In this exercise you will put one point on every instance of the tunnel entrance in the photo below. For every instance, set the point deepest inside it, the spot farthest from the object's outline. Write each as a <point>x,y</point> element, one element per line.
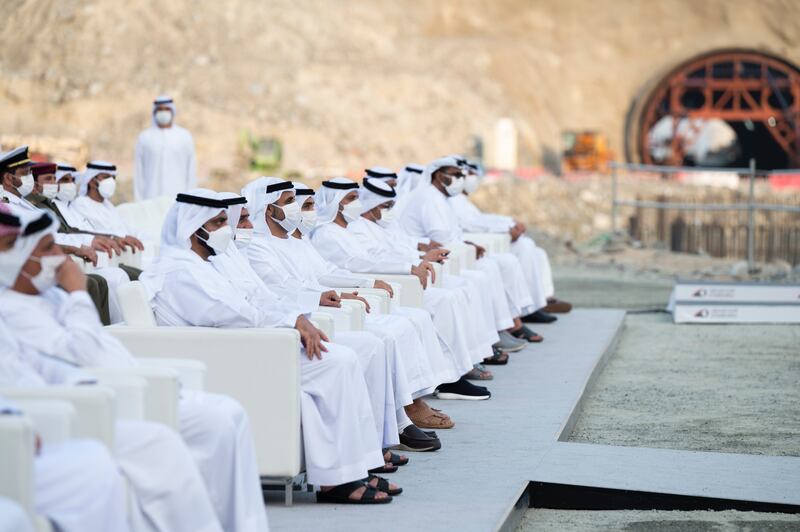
<point>721,109</point>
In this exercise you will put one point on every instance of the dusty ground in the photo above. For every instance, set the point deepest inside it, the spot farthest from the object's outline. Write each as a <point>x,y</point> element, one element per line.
<point>716,388</point>
<point>657,521</point>
<point>707,388</point>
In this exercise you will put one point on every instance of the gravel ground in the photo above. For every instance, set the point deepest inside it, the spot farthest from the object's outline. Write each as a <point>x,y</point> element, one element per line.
<point>656,521</point>
<point>698,387</point>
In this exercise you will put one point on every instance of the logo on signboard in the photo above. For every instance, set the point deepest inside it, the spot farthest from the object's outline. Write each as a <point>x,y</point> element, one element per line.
<point>700,293</point>
<point>702,313</point>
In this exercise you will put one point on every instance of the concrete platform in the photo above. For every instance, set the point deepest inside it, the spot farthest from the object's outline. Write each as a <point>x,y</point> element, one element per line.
<point>499,445</point>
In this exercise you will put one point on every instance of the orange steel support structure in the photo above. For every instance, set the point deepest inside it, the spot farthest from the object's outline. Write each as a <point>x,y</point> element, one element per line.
<point>734,86</point>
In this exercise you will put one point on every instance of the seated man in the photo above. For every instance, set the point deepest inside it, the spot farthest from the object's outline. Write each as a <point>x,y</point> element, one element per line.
<point>46,306</point>
<point>338,206</point>
<point>75,242</point>
<point>17,177</point>
<point>169,492</point>
<point>279,260</point>
<point>533,259</point>
<point>186,289</point>
<point>97,185</point>
<point>430,214</point>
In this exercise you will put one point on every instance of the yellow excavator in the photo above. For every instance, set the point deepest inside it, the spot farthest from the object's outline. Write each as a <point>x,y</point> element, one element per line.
<point>585,151</point>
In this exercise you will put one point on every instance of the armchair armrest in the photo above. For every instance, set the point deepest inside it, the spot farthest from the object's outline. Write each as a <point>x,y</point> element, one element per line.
<point>94,407</point>
<point>158,387</point>
<point>324,322</point>
<point>52,418</point>
<point>410,293</point>
<point>358,313</point>
<point>493,242</point>
<point>16,460</point>
<point>191,373</point>
<point>260,368</point>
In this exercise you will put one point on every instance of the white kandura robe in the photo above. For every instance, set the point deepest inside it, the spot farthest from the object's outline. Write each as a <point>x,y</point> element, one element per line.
<point>14,519</point>
<point>533,259</point>
<point>384,368</point>
<point>431,215</point>
<point>326,273</point>
<point>339,436</point>
<point>459,331</point>
<point>337,245</point>
<point>66,326</point>
<point>102,217</point>
<point>276,260</point>
<point>115,277</point>
<point>165,162</point>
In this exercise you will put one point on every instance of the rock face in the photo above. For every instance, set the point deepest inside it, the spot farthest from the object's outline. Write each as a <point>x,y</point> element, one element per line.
<point>350,83</point>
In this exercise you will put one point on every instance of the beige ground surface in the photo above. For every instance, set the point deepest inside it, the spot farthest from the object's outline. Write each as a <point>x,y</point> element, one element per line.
<point>657,521</point>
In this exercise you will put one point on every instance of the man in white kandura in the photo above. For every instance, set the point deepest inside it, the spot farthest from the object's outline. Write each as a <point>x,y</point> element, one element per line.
<point>187,289</point>
<point>165,160</point>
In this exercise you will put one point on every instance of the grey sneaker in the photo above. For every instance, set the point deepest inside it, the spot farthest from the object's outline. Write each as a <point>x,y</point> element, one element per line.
<point>509,343</point>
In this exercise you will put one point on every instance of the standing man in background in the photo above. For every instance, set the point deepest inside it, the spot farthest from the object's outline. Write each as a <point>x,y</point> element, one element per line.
<point>165,162</point>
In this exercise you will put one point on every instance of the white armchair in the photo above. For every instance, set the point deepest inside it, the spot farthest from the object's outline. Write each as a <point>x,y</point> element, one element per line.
<point>493,242</point>
<point>17,444</point>
<point>95,408</point>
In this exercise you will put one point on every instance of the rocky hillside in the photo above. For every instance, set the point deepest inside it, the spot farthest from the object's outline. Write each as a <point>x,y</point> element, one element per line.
<point>344,83</point>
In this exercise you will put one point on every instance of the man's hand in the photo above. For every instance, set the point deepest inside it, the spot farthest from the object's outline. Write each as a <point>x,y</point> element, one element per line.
<point>87,254</point>
<point>480,251</point>
<point>384,286</point>
<point>311,338</point>
<point>330,299</point>
<point>106,245</point>
<point>437,255</point>
<point>70,277</point>
<point>421,271</point>
<point>132,242</point>
<point>355,296</point>
<point>517,231</point>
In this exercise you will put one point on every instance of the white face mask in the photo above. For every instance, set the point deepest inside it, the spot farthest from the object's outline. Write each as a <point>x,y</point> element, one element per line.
<point>291,216</point>
<point>163,117</point>
<point>243,237</point>
<point>471,183</point>
<point>46,278</point>
<point>67,191</point>
<point>455,187</point>
<point>387,217</point>
<point>50,190</point>
<point>27,185</point>
<point>352,211</point>
<point>107,187</point>
<point>307,222</point>
<point>218,240</point>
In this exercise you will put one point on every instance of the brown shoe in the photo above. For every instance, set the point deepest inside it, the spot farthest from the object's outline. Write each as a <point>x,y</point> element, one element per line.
<point>556,306</point>
<point>425,417</point>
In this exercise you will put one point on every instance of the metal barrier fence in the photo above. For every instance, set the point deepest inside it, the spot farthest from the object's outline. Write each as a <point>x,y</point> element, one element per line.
<point>750,206</point>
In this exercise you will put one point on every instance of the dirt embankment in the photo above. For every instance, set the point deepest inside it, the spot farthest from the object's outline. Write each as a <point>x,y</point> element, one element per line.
<point>347,84</point>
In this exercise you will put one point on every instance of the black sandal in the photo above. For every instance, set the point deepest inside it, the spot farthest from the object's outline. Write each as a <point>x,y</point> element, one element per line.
<point>497,359</point>
<point>383,485</point>
<point>341,494</point>
<point>524,333</point>
<point>386,469</point>
<point>395,459</point>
